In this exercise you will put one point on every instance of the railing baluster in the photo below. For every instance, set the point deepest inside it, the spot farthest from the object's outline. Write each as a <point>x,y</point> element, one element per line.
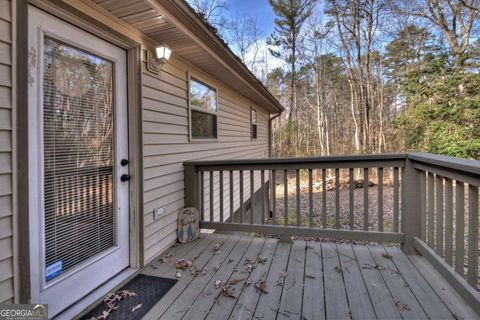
<point>252,194</point>
<point>352,198</point>
<point>448,221</point>
<point>242,204</point>
<point>472,235</point>
<point>211,196</point>
<point>337,198</point>
<point>285,196</point>
<point>262,187</point>
<point>431,212</point>
<point>423,206</point>
<point>459,226</point>
<point>232,216</point>
<point>310,197</point>
<point>396,198</point>
<point>202,195</point>
<point>439,215</point>
<point>365,199</point>
<point>221,196</point>
<point>299,217</point>
<point>274,198</point>
<point>324,198</point>
<point>380,199</point>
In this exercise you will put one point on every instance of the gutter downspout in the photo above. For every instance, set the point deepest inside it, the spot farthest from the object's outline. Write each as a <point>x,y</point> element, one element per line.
<point>270,136</point>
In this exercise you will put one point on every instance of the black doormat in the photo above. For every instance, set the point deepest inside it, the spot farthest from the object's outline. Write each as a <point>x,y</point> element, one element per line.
<point>148,291</point>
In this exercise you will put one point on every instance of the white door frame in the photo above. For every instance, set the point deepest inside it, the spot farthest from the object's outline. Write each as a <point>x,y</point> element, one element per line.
<point>59,292</point>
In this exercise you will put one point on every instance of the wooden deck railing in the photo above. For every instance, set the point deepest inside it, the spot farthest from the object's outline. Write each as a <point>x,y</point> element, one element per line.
<point>449,205</point>
<point>427,194</point>
<point>223,192</point>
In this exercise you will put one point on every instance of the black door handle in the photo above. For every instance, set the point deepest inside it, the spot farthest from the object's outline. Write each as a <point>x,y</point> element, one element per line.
<point>125,177</point>
<point>124,162</point>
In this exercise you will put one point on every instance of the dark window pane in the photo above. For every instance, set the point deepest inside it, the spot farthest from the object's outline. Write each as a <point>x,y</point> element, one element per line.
<point>254,131</point>
<point>203,125</point>
<point>202,96</point>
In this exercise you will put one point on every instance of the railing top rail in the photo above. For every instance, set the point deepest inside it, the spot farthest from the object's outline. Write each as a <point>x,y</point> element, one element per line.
<point>458,164</point>
<point>302,160</point>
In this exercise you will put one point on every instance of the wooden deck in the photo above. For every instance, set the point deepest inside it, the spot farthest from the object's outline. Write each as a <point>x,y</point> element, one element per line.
<point>323,281</point>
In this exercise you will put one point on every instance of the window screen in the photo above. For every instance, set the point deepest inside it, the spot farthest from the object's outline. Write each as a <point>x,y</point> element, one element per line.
<point>78,154</point>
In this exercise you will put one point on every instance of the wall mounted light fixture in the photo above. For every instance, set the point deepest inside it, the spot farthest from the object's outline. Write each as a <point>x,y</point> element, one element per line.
<point>159,57</point>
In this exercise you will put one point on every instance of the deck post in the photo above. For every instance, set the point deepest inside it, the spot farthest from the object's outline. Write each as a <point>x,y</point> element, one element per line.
<point>192,186</point>
<point>411,204</point>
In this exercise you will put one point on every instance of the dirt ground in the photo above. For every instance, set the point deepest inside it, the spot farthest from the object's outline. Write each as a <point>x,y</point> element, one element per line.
<point>330,206</point>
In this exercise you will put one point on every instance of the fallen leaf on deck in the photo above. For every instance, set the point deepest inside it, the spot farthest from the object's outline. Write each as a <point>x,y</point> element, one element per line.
<point>309,276</point>
<point>388,256</point>
<point>135,308</point>
<point>339,269</point>
<point>183,264</point>
<point>261,286</point>
<point>166,258</point>
<point>402,306</point>
<point>250,267</point>
<point>248,282</point>
<point>281,278</point>
<point>228,292</point>
<point>262,260</point>
<point>216,248</point>
<point>234,281</point>
<point>216,267</point>
<point>178,274</point>
<point>194,271</point>
<point>219,284</point>
<point>230,260</point>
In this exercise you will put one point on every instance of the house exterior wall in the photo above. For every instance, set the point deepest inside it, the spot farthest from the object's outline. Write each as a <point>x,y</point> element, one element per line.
<point>167,146</point>
<point>6,143</point>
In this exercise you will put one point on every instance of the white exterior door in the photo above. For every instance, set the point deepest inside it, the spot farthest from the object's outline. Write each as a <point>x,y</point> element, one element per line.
<point>78,206</point>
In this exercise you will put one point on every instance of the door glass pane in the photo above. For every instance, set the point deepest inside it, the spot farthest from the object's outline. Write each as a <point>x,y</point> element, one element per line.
<point>78,111</point>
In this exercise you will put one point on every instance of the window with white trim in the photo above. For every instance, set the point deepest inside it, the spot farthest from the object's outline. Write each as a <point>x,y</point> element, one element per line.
<point>203,110</point>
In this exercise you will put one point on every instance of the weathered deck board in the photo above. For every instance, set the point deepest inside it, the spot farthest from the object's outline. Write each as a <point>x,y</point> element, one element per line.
<point>313,289</point>
<point>451,299</point>
<point>291,302</point>
<point>336,302</point>
<point>225,305</point>
<point>247,300</point>
<point>324,281</point>
<point>178,289</point>
<point>430,302</point>
<point>201,285</point>
<point>268,303</point>
<point>405,301</point>
<point>380,296</point>
<point>360,305</point>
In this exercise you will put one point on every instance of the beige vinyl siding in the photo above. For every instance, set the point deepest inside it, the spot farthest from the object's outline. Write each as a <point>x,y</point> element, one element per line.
<point>167,146</point>
<point>6,226</point>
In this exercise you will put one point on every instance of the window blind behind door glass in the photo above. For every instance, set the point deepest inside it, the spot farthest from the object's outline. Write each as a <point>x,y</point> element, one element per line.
<point>78,154</point>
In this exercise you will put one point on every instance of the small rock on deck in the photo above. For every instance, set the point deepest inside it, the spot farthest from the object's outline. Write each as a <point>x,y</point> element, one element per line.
<point>304,280</point>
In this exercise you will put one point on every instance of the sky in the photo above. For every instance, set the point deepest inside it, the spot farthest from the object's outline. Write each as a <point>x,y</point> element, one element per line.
<point>259,8</point>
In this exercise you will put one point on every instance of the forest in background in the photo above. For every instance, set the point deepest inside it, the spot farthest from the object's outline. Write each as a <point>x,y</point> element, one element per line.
<point>364,76</point>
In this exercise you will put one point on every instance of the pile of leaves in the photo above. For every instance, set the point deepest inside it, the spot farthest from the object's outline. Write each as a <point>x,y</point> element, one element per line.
<point>111,301</point>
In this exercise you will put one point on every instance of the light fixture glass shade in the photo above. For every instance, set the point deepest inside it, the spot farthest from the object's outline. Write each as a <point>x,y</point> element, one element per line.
<point>163,52</point>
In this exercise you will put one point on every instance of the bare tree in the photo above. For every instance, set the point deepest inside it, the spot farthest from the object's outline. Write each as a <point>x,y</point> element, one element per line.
<point>212,11</point>
<point>244,36</point>
<point>455,18</point>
